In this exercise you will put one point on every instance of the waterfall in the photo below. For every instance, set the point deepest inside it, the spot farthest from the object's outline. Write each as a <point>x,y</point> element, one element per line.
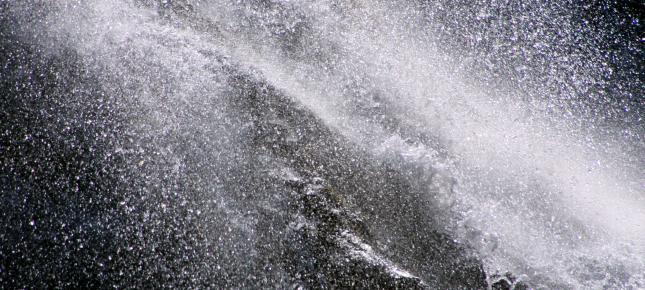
<point>322,144</point>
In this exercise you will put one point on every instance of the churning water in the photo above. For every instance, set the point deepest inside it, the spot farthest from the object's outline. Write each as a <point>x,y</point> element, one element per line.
<point>516,127</point>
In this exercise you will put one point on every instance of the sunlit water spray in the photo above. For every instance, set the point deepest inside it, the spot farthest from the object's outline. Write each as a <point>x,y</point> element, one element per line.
<point>534,195</point>
<point>533,186</point>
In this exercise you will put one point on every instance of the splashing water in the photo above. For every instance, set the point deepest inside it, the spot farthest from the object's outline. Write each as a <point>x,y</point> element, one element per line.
<point>536,162</point>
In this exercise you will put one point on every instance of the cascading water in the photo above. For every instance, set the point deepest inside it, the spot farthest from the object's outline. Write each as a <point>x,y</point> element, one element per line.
<point>322,144</point>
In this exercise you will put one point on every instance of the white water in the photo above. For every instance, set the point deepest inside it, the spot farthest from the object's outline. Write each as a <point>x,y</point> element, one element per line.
<point>536,195</point>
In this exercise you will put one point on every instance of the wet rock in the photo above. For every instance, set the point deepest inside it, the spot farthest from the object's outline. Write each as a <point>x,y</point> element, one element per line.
<point>502,284</point>
<point>507,282</point>
<point>332,248</point>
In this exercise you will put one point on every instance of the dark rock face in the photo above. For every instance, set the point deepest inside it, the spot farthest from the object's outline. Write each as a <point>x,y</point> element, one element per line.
<point>93,195</point>
<point>507,281</point>
<point>329,245</point>
<point>333,196</point>
<point>77,213</point>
